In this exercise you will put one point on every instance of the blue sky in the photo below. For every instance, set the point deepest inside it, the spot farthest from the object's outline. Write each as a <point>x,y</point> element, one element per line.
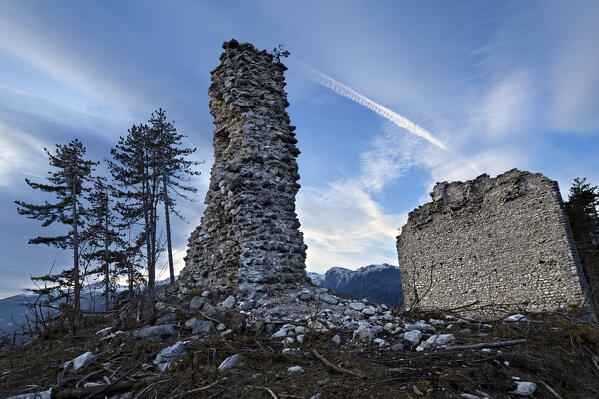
<point>500,84</point>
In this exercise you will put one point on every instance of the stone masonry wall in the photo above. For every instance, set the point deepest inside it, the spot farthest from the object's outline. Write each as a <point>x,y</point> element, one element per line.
<point>493,242</point>
<point>249,241</point>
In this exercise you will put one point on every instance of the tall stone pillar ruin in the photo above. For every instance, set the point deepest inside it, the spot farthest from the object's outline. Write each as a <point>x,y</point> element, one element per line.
<point>249,241</point>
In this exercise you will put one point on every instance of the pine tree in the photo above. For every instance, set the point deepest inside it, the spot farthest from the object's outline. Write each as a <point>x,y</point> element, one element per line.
<point>136,170</point>
<point>175,171</point>
<point>67,183</point>
<point>581,208</point>
<point>102,235</point>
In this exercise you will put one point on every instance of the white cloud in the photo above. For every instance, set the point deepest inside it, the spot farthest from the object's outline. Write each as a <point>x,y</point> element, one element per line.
<point>344,226</point>
<point>505,107</point>
<point>575,92</point>
<point>21,155</point>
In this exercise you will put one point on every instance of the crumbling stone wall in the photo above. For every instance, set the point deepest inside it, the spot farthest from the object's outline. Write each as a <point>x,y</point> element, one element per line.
<point>249,241</point>
<point>501,242</point>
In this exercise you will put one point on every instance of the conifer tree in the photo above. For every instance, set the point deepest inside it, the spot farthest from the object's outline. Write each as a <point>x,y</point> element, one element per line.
<point>136,170</point>
<point>175,171</point>
<point>102,234</point>
<point>68,184</point>
<point>581,208</point>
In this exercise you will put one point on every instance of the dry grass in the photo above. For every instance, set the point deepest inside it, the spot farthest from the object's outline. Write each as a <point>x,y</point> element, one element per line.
<point>559,351</point>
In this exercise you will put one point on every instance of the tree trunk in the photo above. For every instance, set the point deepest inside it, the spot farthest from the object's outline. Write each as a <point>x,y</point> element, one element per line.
<point>171,267</point>
<point>106,266</point>
<point>148,234</point>
<point>76,247</point>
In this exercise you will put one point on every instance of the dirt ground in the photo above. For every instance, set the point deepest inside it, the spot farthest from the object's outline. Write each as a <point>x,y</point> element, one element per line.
<point>560,354</point>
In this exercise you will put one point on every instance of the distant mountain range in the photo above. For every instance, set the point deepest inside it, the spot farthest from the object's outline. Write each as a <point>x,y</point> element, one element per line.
<point>377,283</point>
<point>14,311</point>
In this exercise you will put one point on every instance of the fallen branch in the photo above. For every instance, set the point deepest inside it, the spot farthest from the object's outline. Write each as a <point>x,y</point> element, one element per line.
<point>85,377</point>
<point>557,395</point>
<point>196,390</point>
<point>269,391</point>
<point>486,345</point>
<point>149,387</point>
<point>106,389</point>
<point>208,317</point>
<point>337,368</point>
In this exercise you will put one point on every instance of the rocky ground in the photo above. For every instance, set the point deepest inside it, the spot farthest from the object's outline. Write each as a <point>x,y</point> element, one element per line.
<point>307,343</point>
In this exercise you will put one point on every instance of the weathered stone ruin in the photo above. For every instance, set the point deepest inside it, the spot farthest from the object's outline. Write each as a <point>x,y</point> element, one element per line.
<point>248,241</point>
<point>491,244</point>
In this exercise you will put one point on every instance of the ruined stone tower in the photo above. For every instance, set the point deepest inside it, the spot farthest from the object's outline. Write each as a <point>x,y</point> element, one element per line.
<point>491,244</point>
<point>249,241</point>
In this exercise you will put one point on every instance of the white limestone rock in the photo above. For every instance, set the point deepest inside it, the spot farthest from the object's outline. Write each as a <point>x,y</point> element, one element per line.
<point>230,363</point>
<point>413,336</point>
<point>525,388</point>
<point>166,355</point>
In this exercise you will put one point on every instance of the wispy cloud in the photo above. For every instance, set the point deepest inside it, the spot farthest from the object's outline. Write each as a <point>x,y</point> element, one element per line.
<point>505,107</point>
<point>21,155</point>
<point>381,110</point>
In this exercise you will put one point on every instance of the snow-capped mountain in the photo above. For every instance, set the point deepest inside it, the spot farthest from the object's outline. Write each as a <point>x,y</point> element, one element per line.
<point>379,283</point>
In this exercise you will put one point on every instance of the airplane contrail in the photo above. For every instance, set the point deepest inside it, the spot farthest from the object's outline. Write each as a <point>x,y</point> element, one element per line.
<point>381,110</point>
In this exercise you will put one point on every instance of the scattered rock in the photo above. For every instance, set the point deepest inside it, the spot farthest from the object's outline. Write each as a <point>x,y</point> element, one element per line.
<point>155,333</point>
<point>417,391</point>
<point>164,357</point>
<point>283,331</point>
<point>525,388</point>
<point>209,310</point>
<point>364,333</point>
<point>197,302</point>
<point>199,326</point>
<point>300,330</point>
<point>413,336</point>
<point>328,299</point>
<point>228,303</point>
<point>369,311</point>
<point>168,318</point>
<point>306,294</point>
<point>436,340</point>
<point>397,347</point>
<point>419,325</point>
<point>336,339</point>
<point>359,306</point>
<point>80,361</point>
<point>230,363</point>
<point>295,370</point>
<point>515,317</point>
<point>104,331</point>
<point>39,395</point>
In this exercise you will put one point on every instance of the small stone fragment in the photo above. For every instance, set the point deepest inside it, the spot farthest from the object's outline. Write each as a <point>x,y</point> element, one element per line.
<point>199,326</point>
<point>369,311</point>
<point>295,370</point>
<point>525,388</point>
<point>230,363</point>
<point>228,303</point>
<point>413,336</point>
<point>397,347</point>
<point>359,306</point>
